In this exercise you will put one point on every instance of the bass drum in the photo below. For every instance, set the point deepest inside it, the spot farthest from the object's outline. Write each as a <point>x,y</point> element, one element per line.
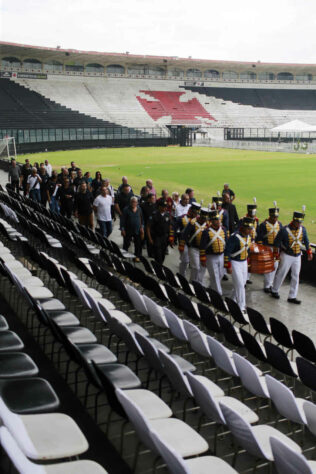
<point>261,259</point>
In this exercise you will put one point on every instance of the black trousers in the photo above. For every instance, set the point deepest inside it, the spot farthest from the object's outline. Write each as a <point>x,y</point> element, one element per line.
<point>66,208</point>
<point>137,243</point>
<point>15,185</point>
<point>159,249</point>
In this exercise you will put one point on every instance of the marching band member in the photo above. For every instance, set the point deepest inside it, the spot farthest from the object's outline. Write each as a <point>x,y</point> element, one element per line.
<point>182,224</point>
<point>212,246</point>
<point>267,232</point>
<point>217,203</point>
<point>291,240</point>
<point>236,256</point>
<point>192,236</point>
<point>251,212</point>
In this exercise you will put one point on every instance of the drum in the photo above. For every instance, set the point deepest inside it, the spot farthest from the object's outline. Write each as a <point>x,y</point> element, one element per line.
<point>261,259</point>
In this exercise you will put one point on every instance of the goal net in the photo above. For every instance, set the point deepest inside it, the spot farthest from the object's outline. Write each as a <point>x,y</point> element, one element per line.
<point>7,148</point>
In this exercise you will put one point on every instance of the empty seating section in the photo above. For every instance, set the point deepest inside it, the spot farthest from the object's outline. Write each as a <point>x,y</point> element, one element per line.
<point>178,376</point>
<point>150,103</point>
<point>25,109</point>
<point>257,107</point>
<point>105,99</point>
<point>281,99</point>
<point>172,104</point>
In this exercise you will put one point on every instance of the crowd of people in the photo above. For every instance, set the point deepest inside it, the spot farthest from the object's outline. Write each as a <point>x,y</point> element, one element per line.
<point>211,238</point>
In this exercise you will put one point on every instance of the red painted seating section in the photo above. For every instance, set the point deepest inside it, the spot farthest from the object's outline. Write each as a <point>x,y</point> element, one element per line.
<point>168,104</point>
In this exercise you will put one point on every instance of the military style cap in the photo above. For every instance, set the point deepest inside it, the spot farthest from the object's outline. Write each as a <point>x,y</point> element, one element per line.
<point>162,203</point>
<point>195,206</point>
<point>298,216</point>
<point>213,215</point>
<point>274,211</point>
<point>217,199</point>
<point>250,207</point>
<point>247,222</point>
<point>204,212</point>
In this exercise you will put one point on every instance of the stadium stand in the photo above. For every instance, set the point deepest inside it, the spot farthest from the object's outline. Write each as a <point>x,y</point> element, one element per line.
<point>154,103</point>
<point>23,108</point>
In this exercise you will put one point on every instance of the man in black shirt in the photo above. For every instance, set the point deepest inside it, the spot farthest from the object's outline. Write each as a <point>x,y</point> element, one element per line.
<point>73,167</point>
<point>83,206</point>
<point>229,191</point>
<point>122,199</point>
<point>148,208</point>
<point>65,196</point>
<point>26,171</point>
<point>124,182</point>
<point>14,175</point>
<point>79,179</point>
<point>132,226</point>
<point>160,231</point>
<point>233,219</point>
<point>63,174</point>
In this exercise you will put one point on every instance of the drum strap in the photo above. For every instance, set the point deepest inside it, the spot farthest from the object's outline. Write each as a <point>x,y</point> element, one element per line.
<point>244,246</point>
<point>216,236</point>
<point>296,240</point>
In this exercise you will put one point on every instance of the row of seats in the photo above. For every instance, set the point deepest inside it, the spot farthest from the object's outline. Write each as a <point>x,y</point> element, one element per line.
<point>187,442</point>
<point>302,343</point>
<point>32,427</point>
<point>22,108</point>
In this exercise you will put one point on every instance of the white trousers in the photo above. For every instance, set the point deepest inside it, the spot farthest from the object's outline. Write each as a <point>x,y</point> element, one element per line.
<point>239,277</point>
<point>184,261</point>
<point>215,267</point>
<point>197,271</point>
<point>287,263</point>
<point>269,277</point>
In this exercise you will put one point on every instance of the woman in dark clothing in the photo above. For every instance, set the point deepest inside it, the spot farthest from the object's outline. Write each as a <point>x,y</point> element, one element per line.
<point>43,186</point>
<point>65,196</point>
<point>96,183</point>
<point>83,206</point>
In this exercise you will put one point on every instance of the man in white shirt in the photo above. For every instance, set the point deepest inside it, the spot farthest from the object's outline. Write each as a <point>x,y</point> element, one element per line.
<point>102,208</point>
<point>183,207</point>
<point>34,186</point>
<point>49,168</point>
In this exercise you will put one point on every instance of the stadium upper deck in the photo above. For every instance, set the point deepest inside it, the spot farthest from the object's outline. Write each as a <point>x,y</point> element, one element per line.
<point>37,59</point>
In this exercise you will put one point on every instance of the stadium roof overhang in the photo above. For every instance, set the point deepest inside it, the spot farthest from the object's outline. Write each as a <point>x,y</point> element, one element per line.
<point>43,54</point>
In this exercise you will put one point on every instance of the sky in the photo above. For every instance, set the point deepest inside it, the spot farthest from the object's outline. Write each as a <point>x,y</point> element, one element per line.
<point>241,30</point>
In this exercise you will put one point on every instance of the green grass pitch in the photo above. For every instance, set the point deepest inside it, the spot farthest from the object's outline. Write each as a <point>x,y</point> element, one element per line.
<point>288,178</point>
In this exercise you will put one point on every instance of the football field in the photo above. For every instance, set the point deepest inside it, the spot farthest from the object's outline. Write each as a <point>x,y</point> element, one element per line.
<point>288,178</point>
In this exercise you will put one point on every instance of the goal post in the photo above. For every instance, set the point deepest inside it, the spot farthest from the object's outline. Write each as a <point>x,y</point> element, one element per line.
<point>7,148</point>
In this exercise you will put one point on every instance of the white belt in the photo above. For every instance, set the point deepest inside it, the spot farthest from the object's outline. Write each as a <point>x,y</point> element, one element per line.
<point>245,246</point>
<point>200,229</point>
<point>273,228</point>
<point>216,236</point>
<point>295,239</point>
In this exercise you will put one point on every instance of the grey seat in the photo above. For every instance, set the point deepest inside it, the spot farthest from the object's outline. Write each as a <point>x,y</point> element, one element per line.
<point>199,465</point>
<point>288,461</point>
<point>24,466</point>
<point>254,439</point>
<point>16,364</point>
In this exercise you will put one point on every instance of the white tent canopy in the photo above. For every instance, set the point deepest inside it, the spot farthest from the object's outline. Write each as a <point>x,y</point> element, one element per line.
<point>295,126</point>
